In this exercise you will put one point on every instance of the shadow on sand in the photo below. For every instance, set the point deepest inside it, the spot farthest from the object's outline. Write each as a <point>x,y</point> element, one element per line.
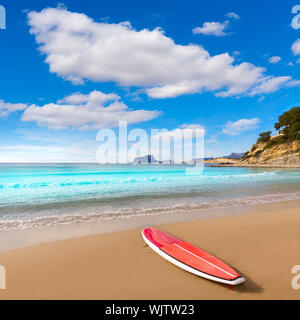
<point>249,286</point>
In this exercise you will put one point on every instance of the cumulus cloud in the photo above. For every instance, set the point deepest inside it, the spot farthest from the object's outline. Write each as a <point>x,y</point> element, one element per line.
<point>6,108</point>
<point>212,29</point>
<point>232,15</point>
<point>77,48</point>
<point>296,47</point>
<point>239,126</point>
<point>294,83</point>
<point>216,28</point>
<point>275,59</point>
<point>86,112</point>
<point>272,84</point>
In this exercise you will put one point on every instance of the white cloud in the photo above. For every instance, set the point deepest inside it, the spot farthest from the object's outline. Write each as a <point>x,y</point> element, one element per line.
<point>232,15</point>
<point>212,29</point>
<point>77,48</point>
<point>275,59</point>
<point>96,97</point>
<point>86,112</point>
<point>272,84</point>
<point>239,126</point>
<point>294,83</point>
<point>7,108</point>
<point>216,28</point>
<point>296,47</point>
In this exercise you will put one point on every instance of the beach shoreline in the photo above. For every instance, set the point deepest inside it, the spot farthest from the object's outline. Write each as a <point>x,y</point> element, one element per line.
<point>21,238</point>
<point>263,244</point>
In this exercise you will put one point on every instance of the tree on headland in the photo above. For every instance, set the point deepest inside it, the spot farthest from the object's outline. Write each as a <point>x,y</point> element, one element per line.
<point>264,136</point>
<point>289,124</point>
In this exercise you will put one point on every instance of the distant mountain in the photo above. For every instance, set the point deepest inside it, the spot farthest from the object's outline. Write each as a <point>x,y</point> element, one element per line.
<point>235,155</point>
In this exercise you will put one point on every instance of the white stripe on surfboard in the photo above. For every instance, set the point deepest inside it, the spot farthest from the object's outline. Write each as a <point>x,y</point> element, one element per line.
<point>203,260</point>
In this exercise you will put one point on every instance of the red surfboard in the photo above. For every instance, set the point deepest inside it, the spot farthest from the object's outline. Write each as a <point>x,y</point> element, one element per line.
<point>190,258</point>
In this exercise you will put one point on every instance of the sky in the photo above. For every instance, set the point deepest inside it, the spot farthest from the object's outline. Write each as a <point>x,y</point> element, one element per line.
<point>70,69</point>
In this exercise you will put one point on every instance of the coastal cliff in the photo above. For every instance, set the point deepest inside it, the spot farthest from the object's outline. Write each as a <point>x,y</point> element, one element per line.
<point>285,154</point>
<point>280,150</point>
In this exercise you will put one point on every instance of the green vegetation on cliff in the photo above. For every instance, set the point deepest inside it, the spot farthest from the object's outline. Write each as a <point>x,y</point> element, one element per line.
<point>289,124</point>
<point>264,136</point>
<point>286,142</point>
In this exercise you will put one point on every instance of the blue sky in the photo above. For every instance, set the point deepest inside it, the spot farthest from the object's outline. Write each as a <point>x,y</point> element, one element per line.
<point>228,66</point>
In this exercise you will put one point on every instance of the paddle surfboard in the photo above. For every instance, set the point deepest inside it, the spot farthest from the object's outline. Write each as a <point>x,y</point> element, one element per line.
<point>190,258</point>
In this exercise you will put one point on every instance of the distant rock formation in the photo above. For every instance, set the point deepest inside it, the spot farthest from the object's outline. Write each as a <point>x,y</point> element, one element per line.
<point>148,159</point>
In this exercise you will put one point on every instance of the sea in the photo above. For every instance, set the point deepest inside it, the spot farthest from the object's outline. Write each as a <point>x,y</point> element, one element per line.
<point>39,195</point>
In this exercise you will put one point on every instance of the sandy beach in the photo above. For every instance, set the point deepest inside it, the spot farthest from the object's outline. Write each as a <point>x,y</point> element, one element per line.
<point>263,246</point>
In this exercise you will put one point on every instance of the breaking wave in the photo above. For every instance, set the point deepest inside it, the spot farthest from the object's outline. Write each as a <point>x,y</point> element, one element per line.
<point>27,222</point>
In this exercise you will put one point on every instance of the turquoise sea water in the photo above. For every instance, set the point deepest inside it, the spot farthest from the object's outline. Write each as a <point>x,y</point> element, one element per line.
<point>38,195</point>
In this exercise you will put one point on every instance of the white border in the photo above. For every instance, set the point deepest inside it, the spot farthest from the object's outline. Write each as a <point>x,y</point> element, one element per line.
<point>189,269</point>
